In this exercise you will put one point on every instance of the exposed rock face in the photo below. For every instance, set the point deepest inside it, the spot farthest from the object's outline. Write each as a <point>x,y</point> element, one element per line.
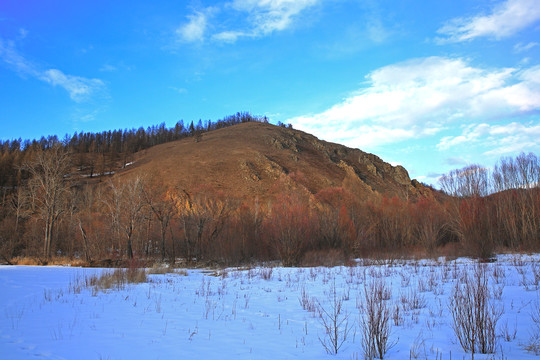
<point>251,159</point>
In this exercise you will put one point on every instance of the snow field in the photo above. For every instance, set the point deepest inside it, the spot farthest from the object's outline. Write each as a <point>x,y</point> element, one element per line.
<point>258,313</point>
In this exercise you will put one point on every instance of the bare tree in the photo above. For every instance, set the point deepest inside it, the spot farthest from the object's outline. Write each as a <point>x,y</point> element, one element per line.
<point>202,217</point>
<point>84,202</point>
<point>49,188</point>
<point>470,181</point>
<point>470,216</point>
<point>162,204</point>
<point>290,225</point>
<point>125,204</point>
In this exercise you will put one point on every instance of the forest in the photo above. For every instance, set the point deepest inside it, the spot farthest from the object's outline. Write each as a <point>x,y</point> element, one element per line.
<point>49,212</point>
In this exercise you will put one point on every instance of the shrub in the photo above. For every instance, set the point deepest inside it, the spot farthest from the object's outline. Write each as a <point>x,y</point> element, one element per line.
<point>375,322</point>
<point>335,322</point>
<point>474,314</point>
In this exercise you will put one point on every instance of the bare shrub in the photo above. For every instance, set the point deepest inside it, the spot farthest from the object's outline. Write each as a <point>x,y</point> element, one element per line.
<point>397,315</point>
<point>508,334</point>
<point>308,303</point>
<point>412,300</point>
<point>533,345</point>
<point>535,314</point>
<point>265,273</point>
<point>375,321</point>
<point>418,347</point>
<point>535,267</point>
<point>499,274</point>
<point>335,321</point>
<point>474,314</point>
<point>405,279</point>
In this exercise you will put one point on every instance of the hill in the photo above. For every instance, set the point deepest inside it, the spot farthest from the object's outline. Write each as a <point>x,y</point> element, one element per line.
<point>249,160</point>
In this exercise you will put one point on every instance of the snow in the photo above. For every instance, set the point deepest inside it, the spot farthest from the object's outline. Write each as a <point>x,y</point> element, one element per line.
<point>250,313</point>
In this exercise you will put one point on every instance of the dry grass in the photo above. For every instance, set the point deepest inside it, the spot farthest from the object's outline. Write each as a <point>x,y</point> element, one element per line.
<point>255,156</point>
<point>160,269</point>
<point>328,258</point>
<point>55,261</point>
<point>117,279</point>
<point>25,261</point>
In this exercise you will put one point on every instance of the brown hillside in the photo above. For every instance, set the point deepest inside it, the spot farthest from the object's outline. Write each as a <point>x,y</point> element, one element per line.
<point>249,160</point>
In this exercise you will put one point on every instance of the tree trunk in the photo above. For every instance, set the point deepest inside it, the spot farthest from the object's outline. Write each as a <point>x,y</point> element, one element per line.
<point>85,241</point>
<point>129,246</point>
<point>163,232</point>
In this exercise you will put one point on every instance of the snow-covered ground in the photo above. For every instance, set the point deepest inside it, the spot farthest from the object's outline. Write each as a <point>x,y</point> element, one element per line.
<point>258,313</point>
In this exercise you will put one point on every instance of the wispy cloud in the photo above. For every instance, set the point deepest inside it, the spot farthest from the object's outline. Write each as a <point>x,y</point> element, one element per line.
<point>521,47</point>
<point>506,19</point>
<point>23,33</point>
<point>256,18</point>
<point>178,90</point>
<point>421,98</point>
<point>79,88</point>
<point>499,139</point>
<point>455,161</point>
<point>108,68</point>
<point>194,30</point>
<point>268,16</point>
<point>121,66</point>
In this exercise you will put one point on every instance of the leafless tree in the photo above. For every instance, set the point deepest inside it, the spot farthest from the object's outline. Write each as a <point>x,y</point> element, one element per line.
<point>162,204</point>
<point>469,211</point>
<point>517,182</point>
<point>470,181</point>
<point>202,217</point>
<point>48,189</point>
<point>85,201</point>
<point>125,204</point>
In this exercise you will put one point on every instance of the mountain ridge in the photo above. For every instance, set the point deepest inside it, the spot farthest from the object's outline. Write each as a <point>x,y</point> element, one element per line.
<point>246,160</point>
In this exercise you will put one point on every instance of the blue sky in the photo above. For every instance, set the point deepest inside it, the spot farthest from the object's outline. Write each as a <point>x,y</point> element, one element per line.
<point>430,85</point>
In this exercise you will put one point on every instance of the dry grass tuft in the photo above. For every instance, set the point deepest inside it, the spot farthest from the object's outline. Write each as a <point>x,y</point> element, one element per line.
<point>328,258</point>
<point>160,269</point>
<point>117,279</point>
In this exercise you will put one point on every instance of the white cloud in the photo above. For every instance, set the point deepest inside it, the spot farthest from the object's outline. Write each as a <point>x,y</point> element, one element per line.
<point>521,47</point>
<point>178,90</point>
<point>108,68</point>
<point>11,57</point>
<point>23,33</point>
<point>256,18</point>
<point>194,30</point>
<point>376,30</point>
<point>421,98</point>
<point>79,88</point>
<point>499,139</point>
<point>229,36</point>
<point>506,19</point>
<point>268,16</point>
